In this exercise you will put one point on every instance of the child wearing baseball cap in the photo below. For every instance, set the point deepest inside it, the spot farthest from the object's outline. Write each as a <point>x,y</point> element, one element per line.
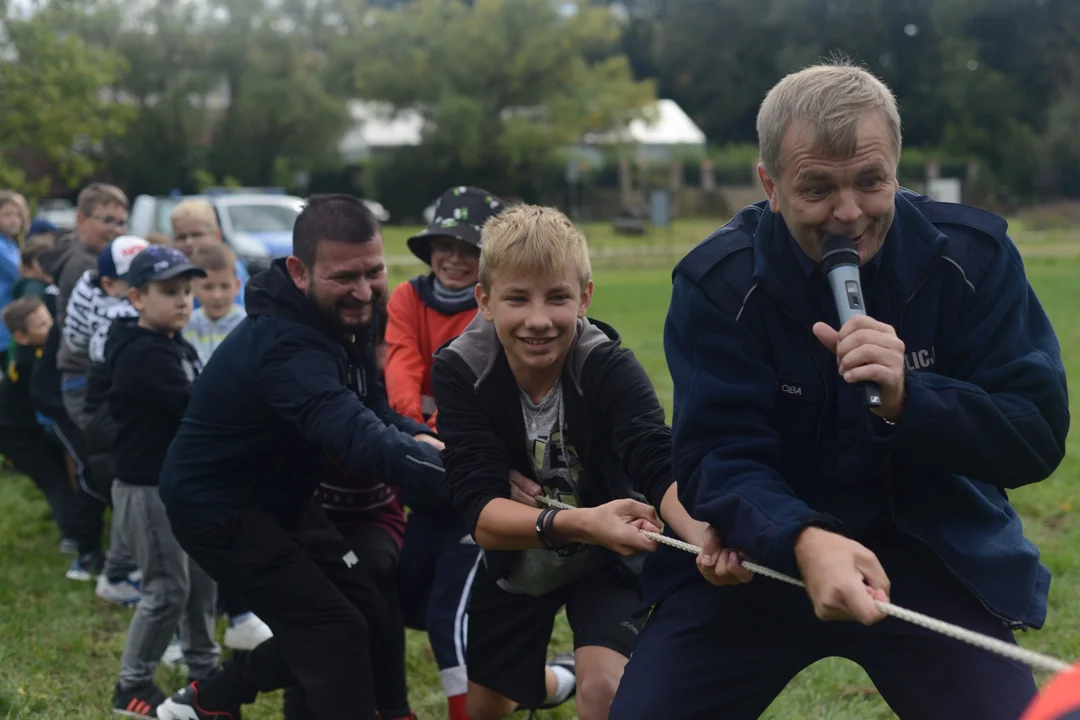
<point>151,371</point>
<point>98,298</point>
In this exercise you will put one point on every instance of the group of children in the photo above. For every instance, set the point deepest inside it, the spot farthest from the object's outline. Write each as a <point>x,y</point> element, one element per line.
<point>493,353</point>
<point>105,347</point>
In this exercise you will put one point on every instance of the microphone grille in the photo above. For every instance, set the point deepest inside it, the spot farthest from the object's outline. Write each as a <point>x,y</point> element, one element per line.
<point>838,250</point>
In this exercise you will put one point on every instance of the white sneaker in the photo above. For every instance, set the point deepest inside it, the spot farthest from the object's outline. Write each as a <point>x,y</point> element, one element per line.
<point>118,593</point>
<point>246,632</point>
<point>174,654</point>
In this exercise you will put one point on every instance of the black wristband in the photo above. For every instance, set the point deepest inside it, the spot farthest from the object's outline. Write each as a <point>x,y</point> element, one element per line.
<point>540,532</point>
<point>549,528</point>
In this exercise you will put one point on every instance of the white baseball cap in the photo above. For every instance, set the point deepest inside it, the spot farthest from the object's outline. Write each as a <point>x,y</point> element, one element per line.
<point>115,260</point>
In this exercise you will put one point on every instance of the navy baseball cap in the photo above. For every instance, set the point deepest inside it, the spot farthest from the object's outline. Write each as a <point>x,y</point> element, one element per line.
<point>158,263</point>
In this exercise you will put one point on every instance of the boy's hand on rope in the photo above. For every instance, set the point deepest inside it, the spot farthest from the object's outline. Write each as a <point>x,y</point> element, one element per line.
<point>720,565</point>
<point>522,489</point>
<point>843,578</point>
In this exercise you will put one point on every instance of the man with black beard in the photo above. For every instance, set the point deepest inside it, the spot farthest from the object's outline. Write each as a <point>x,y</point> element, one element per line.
<point>292,390</point>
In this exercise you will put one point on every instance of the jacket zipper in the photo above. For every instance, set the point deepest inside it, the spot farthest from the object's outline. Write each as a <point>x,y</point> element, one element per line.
<point>1010,624</point>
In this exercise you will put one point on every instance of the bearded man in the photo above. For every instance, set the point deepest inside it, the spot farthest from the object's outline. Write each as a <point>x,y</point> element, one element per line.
<point>293,392</point>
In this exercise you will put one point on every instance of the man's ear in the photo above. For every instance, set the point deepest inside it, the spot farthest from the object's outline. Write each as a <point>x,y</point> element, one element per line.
<point>483,301</point>
<point>299,273</point>
<point>770,187</point>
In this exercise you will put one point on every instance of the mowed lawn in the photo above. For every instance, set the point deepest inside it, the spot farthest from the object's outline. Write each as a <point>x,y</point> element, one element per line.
<point>60,646</point>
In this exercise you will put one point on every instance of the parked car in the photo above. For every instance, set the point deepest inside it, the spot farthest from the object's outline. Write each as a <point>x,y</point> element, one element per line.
<point>59,211</point>
<point>256,223</point>
<point>258,227</point>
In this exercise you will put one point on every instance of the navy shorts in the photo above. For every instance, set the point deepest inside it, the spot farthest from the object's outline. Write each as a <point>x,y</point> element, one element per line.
<point>708,652</point>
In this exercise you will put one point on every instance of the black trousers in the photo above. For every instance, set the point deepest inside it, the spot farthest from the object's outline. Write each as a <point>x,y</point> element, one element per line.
<point>36,453</point>
<point>378,553</point>
<point>301,578</point>
<point>90,500</point>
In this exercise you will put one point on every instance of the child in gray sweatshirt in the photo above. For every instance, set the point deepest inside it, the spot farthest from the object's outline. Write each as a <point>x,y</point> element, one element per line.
<point>217,314</point>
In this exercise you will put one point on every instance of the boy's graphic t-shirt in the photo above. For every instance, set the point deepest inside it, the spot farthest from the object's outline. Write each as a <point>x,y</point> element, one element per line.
<point>560,473</point>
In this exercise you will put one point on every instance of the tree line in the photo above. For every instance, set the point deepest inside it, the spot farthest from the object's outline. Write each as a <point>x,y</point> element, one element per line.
<point>171,95</point>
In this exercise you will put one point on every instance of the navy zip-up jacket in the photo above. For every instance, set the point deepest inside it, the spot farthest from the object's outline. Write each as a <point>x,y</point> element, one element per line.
<point>275,403</point>
<point>768,439</point>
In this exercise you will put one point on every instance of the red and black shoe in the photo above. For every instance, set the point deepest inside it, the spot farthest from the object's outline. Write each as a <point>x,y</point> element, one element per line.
<point>139,702</point>
<point>184,705</point>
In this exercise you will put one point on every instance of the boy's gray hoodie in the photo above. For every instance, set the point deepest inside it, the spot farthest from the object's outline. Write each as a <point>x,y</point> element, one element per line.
<point>206,334</point>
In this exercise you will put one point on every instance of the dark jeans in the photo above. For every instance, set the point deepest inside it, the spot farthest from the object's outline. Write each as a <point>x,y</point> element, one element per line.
<point>37,454</point>
<point>709,652</point>
<point>232,604</point>
<point>378,553</point>
<point>301,578</point>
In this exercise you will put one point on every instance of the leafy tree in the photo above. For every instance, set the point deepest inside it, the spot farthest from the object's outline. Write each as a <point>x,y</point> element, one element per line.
<point>501,83</point>
<point>55,102</point>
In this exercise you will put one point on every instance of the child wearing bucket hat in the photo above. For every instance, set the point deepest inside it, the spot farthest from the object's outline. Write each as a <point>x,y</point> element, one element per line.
<point>432,309</point>
<point>439,559</point>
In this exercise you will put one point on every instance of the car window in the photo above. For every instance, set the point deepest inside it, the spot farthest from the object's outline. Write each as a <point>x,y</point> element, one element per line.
<point>262,218</point>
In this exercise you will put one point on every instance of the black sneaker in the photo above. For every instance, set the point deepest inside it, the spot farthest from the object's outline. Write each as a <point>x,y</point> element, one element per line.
<point>141,702</point>
<point>184,705</point>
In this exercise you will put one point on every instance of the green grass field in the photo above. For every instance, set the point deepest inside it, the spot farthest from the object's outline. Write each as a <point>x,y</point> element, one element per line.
<point>60,646</point>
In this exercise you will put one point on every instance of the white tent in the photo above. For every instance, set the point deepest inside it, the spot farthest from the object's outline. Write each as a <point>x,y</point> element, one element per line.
<point>668,130</point>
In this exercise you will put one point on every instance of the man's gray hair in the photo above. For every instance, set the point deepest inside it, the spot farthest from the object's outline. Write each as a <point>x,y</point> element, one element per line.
<point>829,99</point>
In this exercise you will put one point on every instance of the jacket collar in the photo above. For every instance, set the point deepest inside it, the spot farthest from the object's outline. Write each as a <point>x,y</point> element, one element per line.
<point>481,350</point>
<point>911,246</point>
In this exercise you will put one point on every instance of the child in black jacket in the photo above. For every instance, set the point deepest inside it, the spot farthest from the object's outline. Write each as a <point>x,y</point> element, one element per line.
<point>151,371</point>
<point>536,398</point>
<point>23,439</point>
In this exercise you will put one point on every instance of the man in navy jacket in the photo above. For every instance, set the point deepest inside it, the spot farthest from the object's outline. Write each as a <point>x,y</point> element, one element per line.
<point>290,391</point>
<point>774,445</point>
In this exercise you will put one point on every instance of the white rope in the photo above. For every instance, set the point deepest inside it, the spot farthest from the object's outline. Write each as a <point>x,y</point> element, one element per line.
<point>1013,652</point>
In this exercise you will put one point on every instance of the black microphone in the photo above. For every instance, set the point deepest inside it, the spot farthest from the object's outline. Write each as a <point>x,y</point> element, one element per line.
<point>840,263</point>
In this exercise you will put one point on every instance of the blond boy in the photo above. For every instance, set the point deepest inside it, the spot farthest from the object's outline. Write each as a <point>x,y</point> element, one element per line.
<point>217,314</point>
<point>534,388</point>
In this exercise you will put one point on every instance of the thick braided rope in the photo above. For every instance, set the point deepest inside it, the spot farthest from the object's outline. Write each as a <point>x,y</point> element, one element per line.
<point>1013,652</point>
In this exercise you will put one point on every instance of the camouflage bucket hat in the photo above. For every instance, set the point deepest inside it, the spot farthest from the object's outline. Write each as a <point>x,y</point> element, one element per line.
<point>460,213</point>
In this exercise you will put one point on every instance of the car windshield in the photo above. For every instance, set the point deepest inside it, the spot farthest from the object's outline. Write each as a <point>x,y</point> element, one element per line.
<point>262,218</point>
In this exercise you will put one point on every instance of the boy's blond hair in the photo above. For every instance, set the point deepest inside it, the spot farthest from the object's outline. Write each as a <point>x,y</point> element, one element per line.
<point>196,210</point>
<point>94,195</point>
<point>532,240</point>
<point>212,258</point>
